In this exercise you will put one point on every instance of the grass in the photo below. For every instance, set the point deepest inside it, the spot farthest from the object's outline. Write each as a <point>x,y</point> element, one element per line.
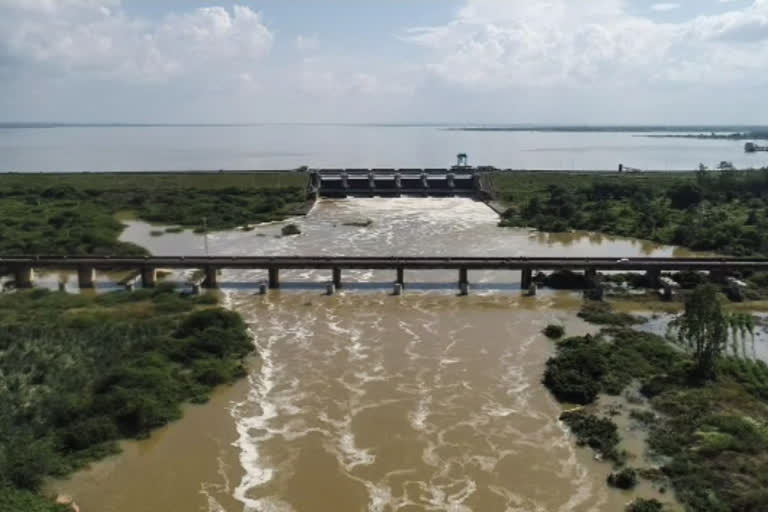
<point>82,371</point>
<point>78,213</point>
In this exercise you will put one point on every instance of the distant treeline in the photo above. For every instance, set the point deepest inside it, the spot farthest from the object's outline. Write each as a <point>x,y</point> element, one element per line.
<point>721,211</point>
<point>618,128</point>
<point>748,135</point>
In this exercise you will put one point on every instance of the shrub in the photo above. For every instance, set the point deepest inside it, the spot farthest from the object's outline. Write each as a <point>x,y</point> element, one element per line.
<point>574,375</point>
<point>600,434</point>
<point>290,229</point>
<point>554,331</point>
<point>624,479</point>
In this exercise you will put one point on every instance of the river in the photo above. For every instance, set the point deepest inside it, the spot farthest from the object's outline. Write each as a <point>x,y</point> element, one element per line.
<point>366,401</point>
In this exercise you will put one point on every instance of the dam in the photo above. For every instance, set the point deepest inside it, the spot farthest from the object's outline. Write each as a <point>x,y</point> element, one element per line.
<point>461,181</point>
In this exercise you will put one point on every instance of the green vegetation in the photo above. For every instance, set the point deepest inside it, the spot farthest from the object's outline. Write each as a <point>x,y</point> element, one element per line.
<point>364,223</point>
<point>81,371</point>
<point>724,211</point>
<point>623,479</point>
<point>643,505</point>
<point>599,312</point>
<point>290,230</point>
<point>703,329</point>
<point>600,434</point>
<point>75,213</point>
<point>554,331</point>
<point>586,366</point>
<point>712,433</point>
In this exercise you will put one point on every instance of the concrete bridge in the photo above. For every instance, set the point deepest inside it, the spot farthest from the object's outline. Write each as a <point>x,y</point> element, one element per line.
<point>442,182</point>
<point>22,267</point>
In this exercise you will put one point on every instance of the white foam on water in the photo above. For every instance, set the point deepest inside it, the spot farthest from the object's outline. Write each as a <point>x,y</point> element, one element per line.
<point>418,418</point>
<point>253,428</point>
<point>497,410</point>
<point>347,453</point>
<point>515,502</point>
<point>440,498</point>
<point>379,496</point>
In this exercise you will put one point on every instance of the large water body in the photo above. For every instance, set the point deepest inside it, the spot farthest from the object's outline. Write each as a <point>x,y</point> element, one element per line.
<point>140,148</point>
<point>365,401</point>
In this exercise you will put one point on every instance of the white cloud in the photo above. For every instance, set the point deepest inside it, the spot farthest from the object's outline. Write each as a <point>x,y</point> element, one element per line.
<point>96,39</point>
<point>598,43</point>
<point>666,6</point>
<point>543,60</point>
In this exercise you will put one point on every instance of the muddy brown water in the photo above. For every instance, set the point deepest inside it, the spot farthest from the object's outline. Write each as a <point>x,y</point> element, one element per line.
<point>367,402</point>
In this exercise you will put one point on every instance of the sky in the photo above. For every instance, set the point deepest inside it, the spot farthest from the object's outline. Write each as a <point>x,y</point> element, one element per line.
<point>385,61</point>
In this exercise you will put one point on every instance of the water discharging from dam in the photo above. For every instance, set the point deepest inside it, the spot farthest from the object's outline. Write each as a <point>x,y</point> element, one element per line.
<point>365,401</point>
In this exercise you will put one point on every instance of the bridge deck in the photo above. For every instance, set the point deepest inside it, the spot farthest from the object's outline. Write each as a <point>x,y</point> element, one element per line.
<point>375,262</point>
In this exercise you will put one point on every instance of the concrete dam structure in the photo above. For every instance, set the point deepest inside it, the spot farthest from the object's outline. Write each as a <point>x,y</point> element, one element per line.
<point>446,182</point>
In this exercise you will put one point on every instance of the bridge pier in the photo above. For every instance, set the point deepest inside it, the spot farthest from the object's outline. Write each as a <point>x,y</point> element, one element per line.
<point>400,279</point>
<point>717,275</point>
<point>590,276</point>
<point>372,181</point>
<point>450,179</point>
<point>211,279</point>
<point>22,276</point>
<point>463,277</point>
<point>274,278</point>
<point>85,276</point>
<point>526,279</point>
<point>424,181</point>
<point>345,182</point>
<point>336,277</point>
<point>398,183</point>
<point>148,277</point>
<point>653,277</point>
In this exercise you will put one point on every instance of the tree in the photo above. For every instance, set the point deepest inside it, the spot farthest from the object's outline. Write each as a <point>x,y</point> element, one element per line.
<point>726,166</point>
<point>703,329</point>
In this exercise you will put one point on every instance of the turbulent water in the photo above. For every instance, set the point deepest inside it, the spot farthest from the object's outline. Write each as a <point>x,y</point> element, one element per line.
<point>368,402</point>
<point>99,148</point>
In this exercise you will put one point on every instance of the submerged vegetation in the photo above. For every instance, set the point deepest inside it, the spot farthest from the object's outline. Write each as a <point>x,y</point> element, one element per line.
<point>599,312</point>
<point>709,423</point>
<point>75,213</point>
<point>79,372</point>
<point>724,211</point>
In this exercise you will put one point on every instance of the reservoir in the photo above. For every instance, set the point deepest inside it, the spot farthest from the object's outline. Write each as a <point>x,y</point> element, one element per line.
<point>141,148</point>
<point>367,402</point>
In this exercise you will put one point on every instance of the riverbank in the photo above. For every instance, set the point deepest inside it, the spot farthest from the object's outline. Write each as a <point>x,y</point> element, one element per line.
<point>82,371</point>
<point>708,442</point>
<point>77,213</point>
<point>720,211</point>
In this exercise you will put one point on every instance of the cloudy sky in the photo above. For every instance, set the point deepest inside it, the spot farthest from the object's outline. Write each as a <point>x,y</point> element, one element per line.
<point>493,61</point>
